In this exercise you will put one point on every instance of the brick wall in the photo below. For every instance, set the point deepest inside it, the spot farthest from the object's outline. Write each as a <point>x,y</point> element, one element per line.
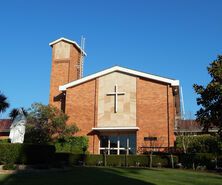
<point>155,108</point>
<point>81,107</point>
<point>63,70</point>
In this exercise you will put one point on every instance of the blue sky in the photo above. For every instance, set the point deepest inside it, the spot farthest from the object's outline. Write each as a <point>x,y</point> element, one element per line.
<point>174,38</point>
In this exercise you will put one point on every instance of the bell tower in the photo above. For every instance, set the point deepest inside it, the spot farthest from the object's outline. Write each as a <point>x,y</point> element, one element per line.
<point>67,62</point>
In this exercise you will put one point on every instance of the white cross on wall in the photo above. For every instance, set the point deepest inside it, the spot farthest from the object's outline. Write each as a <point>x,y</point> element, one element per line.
<point>116,93</point>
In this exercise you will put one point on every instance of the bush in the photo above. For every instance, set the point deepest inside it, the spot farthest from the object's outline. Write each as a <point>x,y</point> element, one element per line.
<point>36,135</point>
<point>94,160</point>
<point>138,160</point>
<point>219,161</point>
<point>77,145</point>
<point>200,159</point>
<point>67,158</point>
<point>46,123</point>
<point>115,160</point>
<point>9,166</point>
<point>200,143</point>
<point>78,159</point>
<point>26,153</point>
<point>4,141</point>
<point>161,161</point>
<point>132,160</point>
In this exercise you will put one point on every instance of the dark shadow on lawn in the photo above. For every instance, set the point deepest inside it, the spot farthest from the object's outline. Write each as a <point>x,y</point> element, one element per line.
<point>76,176</point>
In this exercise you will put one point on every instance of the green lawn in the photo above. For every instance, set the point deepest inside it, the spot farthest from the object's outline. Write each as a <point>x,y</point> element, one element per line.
<point>113,176</point>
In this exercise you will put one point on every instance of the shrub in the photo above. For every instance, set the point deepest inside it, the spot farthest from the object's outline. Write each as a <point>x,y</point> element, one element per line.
<point>10,153</point>
<point>36,135</point>
<point>77,145</point>
<point>132,160</point>
<point>94,160</point>
<point>67,158</point>
<point>200,144</point>
<point>219,161</point>
<point>200,159</point>
<point>26,153</point>
<point>123,160</point>
<point>161,161</point>
<point>205,159</point>
<point>138,160</point>
<point>9,166</point>
<point>4,141</point>
<point>115,160</point>
<point>46,123</point>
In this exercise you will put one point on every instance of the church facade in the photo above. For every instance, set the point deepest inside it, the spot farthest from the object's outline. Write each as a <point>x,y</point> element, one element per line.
<point>120,110</point>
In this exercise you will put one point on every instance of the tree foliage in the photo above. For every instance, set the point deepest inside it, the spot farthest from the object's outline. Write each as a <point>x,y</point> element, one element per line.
<point>210,98</point>
<point>3,103</point>
<point>72,144</point>
<point>199,144</point>
<point>46,123</point>
<point>14,112</point>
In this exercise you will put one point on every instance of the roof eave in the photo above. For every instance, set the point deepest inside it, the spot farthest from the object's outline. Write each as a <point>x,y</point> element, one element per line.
<point>120,69</point>
<point>114,128</point>
<point>69,41</point>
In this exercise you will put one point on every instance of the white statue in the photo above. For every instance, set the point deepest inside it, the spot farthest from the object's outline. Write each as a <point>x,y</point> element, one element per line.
<point>17,129</point>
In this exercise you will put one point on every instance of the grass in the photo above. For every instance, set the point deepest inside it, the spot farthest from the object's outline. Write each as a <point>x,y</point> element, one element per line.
<point>112,176</point>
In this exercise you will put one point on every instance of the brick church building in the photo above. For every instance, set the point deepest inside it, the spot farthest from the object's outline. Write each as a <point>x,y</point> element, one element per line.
<point>122,111</point>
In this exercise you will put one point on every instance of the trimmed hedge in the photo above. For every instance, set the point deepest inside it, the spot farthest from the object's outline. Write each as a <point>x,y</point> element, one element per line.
<point>115,160</point>
<point>45,154</point>
<point>4,141</point>
<point>200,159</point>
<point>9,167</point>
<point>94,160</point>
<point>138,160</point>
<point>77,145</point>
<point>26,153</point>
<point>67,158</point>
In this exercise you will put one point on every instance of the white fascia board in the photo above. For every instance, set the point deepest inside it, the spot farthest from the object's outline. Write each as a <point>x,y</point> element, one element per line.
<point>67,40</point>
<point>120,69</point>
<point>115,128</point>
<point>175,83</point>
<point>150,76</point>
<point>85,79</point>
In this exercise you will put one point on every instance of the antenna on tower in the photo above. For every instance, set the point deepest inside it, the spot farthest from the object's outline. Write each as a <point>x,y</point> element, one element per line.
<point>182,103</point>
<point>82,56</point>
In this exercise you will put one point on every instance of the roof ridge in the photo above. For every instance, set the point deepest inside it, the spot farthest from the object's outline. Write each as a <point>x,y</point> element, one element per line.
<point>69,41</point>
<point>121,69</point>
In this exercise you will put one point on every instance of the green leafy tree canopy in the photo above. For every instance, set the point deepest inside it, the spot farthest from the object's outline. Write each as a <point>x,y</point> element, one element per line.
<point>210,98</point>
<point>3,103</point>
<point>14,112</point>
<point>46,123</point>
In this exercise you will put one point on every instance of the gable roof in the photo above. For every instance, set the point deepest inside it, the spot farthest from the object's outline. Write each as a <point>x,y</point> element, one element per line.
<point>123,70</point>
<point>184,126</point>
<point>5,125</point>
<point>69,41</point>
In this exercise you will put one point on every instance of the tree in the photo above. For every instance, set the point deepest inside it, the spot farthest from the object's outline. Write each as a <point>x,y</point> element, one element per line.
<point>186,137</point>
<point>46,123</point>
<point>14,112</point>
<point>210,98</point>
<point>186,129</point>
<point>3,103</point>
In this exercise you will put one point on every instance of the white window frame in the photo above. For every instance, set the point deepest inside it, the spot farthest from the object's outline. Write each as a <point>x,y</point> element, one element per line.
<point>118,148</point>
